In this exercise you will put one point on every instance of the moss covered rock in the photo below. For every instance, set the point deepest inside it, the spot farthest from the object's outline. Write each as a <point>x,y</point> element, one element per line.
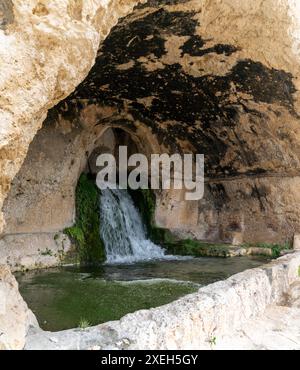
<point>86,231</point>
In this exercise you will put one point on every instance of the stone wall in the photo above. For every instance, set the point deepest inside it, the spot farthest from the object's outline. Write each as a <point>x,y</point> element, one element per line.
<point>23,252</point>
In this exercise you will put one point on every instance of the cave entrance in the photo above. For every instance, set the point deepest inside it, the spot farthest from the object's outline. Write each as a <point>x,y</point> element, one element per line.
<point>108,224</point>
<point>41,203</point>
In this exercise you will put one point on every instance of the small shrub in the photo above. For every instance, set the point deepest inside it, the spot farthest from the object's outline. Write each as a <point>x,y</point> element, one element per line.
<point>213,341</point>
<point>84,324</point>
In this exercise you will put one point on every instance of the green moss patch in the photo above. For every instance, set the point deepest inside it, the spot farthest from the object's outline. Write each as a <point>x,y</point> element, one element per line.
<point>85,233</point>
<point>145,201</point>
<point>199,249</point>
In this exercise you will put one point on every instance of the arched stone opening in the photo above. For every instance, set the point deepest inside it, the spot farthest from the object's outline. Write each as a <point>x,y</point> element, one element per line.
<point>41,202</point>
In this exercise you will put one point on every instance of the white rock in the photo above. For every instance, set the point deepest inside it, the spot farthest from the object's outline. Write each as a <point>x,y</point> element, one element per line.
<point>15,317</point>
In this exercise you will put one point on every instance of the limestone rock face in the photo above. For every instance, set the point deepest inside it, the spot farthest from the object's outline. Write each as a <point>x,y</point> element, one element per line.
<point>22,252</point>
<point>46,49</point>
<point>216,78</point>
<point>15,317</point>
<point>220,78</point>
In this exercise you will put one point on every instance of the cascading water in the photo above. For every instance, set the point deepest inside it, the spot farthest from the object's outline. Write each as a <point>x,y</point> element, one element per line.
<point>123,231</point>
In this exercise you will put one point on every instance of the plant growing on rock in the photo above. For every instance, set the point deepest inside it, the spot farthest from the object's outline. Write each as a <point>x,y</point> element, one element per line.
<point>85,233</point>
<point>84,324</point>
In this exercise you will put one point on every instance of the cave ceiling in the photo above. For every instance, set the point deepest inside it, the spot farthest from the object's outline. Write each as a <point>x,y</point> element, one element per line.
<point>156,65</point>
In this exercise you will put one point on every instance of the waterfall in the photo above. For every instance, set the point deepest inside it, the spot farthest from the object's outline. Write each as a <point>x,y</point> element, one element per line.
<point>122,230</point>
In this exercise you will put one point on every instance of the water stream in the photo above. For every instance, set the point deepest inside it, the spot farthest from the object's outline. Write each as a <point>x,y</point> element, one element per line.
<point>123,232</point>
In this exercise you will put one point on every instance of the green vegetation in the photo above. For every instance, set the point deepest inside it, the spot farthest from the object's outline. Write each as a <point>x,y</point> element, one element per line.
<point>144,199</point>
<point>195,248</point>
<point>84,324</point>
<point>162,236</point>
<point>213,341</point>
<point>85,232</point>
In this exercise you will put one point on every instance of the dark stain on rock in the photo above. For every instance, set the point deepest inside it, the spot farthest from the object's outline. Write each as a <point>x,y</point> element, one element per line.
<point>264,84</point>
<point>145,36</point>
<point>194,47</point>
<point>219,195</point>
<point>200,108</point>
<point>6,13</point>
<point>158,3</point>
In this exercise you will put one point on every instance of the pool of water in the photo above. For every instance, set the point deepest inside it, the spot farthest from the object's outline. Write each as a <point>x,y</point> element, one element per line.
<point>69,297</point>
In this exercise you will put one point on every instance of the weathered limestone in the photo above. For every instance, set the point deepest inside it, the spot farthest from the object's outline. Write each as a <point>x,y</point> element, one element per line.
<point>296,244</point>
<point>46,49</point>
<point>236,99</point>
<point>293,297</point>
<point>23,252</point>
<point>15,317</point>
<point>277,329</point>
<point>209,84</point>
<point>192,322</point>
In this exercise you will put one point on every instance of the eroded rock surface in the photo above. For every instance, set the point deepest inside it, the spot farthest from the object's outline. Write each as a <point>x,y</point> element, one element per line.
<point>218,78</point>
<point>22,252</point>
<point>277,329</point>
<point>46,50</point>
<point>201,90</point>
<point>15,317</point>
